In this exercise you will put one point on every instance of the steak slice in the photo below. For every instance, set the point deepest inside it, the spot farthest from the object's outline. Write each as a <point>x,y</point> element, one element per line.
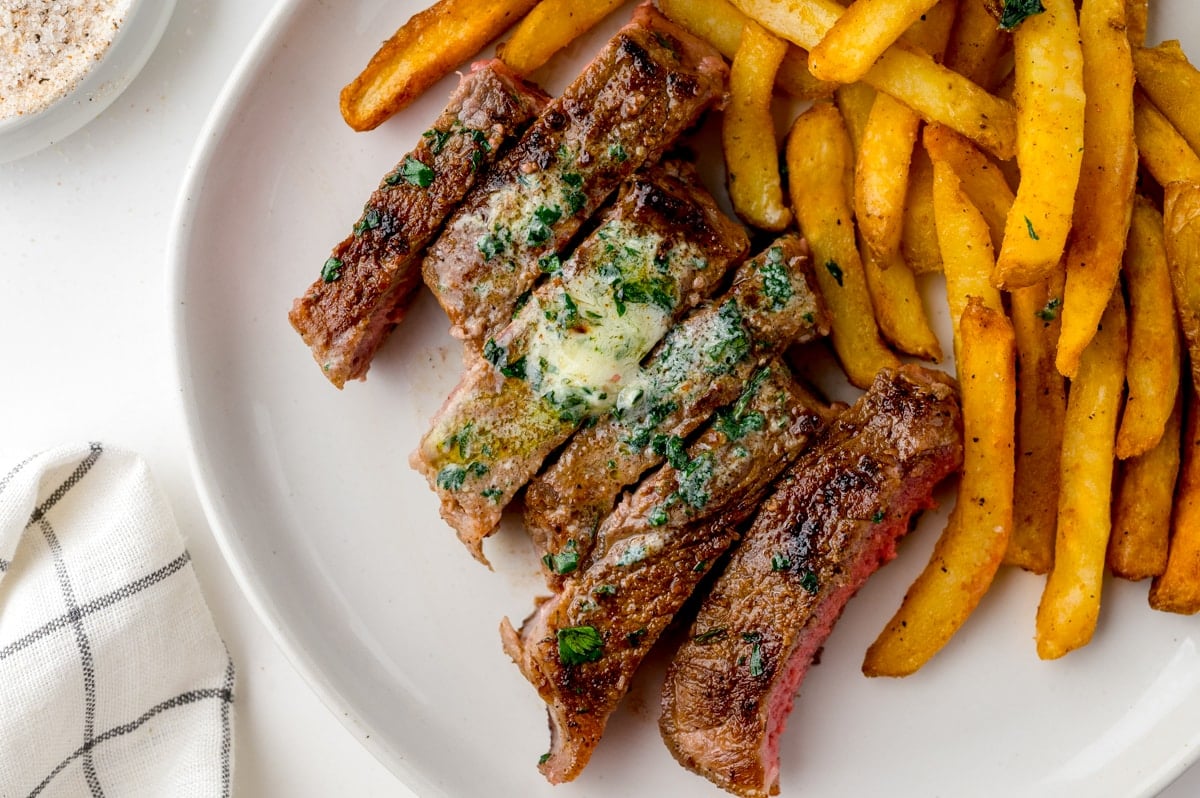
<point>581,648</point>
<point>831,521</point>
<point>573,346</point>
<point>648,85</point>
<point>704,362</point>
<point>370,278</point>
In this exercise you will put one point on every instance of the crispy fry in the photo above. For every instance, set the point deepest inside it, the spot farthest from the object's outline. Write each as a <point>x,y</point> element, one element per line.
<point>1104,199</point>
<point>1152,374</point>
<point>1050,119</point>
<point>1181,228</point>
<point>1070,605</point>
<point>1173,85</point>
<point>1041,408</point>
<point>982,180</point>
<point>914,78</point>
<point>748,131</point>
<point>931,32</point>
<point>549,27</point>
<point>720,24</point>
<point>1178,589</point>
<point>918,236</point>
<point>1142,507</point>
<point>967,258</point>
<point>859,37</point>
<point>1161,148</point>
<point>818,158</point>
<point>423,51</point>
<point>898,306</point>
<point>1137,18</point>
<point>881,174</point>
<point>966,556</point>
<point>975,44</point>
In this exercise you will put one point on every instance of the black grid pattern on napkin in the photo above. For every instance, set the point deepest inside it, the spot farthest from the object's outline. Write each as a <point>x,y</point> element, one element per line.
<point>73,618</point>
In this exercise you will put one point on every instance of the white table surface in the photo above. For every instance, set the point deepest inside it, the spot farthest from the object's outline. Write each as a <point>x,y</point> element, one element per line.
<point>83,231</point>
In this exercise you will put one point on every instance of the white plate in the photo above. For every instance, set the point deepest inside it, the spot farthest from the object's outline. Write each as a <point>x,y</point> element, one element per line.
<point>339,545</point>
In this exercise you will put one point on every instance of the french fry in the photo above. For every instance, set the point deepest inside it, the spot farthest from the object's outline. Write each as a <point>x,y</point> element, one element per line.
<point>918,237</point>
<point>859,37</point>
<point>1050,119</point>
<point>1070,605</point>
<point>1143,504</point>
<point>1104,199</point>
<point>1137,19</point>
<point>967,259</point>
<point>1161,148</point>
<point>548,28</point>
<point>1041,412</point>
<point>975,44</point>
<point>425,49</point>
<point>881,174</point>
<point>899,310</point>
<point>720,24</point>
<point>1178,588</point>
<point>969,551</point>
<point>1173,85</point>
<point>1181,229</point>
<point>748,131</point>
<point>914,78</point>
<point>931,32</point>
<point>818,158</point>
<point>1152,373</point>
<point>982,180</point>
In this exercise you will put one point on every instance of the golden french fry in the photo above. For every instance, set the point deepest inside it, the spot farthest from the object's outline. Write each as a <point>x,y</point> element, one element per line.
<point>982,180</point>
<point>425,49</point>
<point>967,555</point>
<point>918,237</point>
<point>931,32</point>
<point>1178,588</point>
<point>818,159</point>
<point>1137,19</point>
<point>748,131</point>
<point>1070,605</point>
<point>1173,85</point>
<point>975,44</point>
<point>1143,504</point>
<point>1104,199</point>
<point>720,24</point>
<point>1161,148</point>
<point>549,27</point>
<point>913,77</point>
<point>1152,373</point>
<point>967,259</point>
<point>859,37</point>
<point>1041,411</point>
<point>1181,229</point>
<point>1050,119</point>
<point>881,173</point>
<point>899,310</point>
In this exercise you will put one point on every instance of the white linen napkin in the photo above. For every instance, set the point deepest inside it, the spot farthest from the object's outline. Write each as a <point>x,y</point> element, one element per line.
<point>113,680</point>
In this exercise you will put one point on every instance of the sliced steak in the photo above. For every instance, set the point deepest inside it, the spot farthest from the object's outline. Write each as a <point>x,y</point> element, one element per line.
<point>573,346</point>
<point>831,521</point>
<point>369,280</point>
<point>581,647</point>
<point>703,363</point>
<point>645,88</point>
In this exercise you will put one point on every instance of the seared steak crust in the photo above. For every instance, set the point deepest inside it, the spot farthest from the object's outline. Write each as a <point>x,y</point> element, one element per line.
<point>704,362</point>
<point>650,554</point>
<point>831,521</point>
<point>515,403</point>
<point>648,85</point>
<point>370,278</point>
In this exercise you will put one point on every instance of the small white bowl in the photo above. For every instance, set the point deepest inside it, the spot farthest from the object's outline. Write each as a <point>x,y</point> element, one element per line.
<point>134,41</point>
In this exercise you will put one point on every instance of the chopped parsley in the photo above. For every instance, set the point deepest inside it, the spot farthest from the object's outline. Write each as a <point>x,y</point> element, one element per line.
<point>579,644</point>
<point>371,219</point>
<point>550,264</point>
<point>877,517</point>
<point>657,516</point>
<point>756,660</point>
<point>413,172</point>
<point>710,635</point>
<point>605,590</point>
<point>634,553</point>
<point>452,476</point>
<point>634,638</point>
<point>539,228</point>
<point>331,272</point>
<point>1049,312</point>
<point>565,561</point>
<point>732,343</point>
<point>1029,228</point>
<point>490,245</point>
<point>657,292</point>
<point>494,494</point>
<point>498,357</point>
<point>1014,12</point>
<point>738,421</point>
<point>835,270</point>
<point>779,562</point>
<point>670,447</point>
<point>617,153</point>
<point>809,581</point>
<point>437,139</point>
<point>694,479</point>
<point>777,284</point>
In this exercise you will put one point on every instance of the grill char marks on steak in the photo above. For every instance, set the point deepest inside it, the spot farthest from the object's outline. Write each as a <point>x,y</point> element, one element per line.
<point>658,251</point>
<point>371,276</point>
<point>703,363</point>
<point>581,648</point>
<point>647,86</point>
<point>831,521</point>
